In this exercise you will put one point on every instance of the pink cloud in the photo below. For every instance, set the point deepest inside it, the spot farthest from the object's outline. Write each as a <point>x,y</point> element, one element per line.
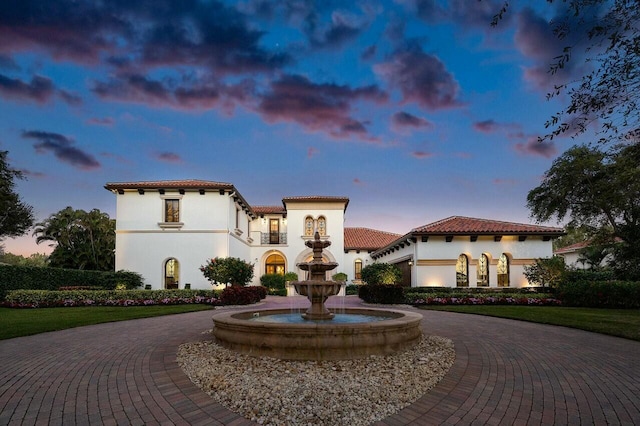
<point>311,152</point>
<point>358,182</point>
<point>107,121</point>
<point>532,146</point>
<point>422,154</point>
<point>499,181</point>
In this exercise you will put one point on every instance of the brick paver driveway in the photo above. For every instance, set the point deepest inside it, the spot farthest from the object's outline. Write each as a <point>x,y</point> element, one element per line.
<point>506,372</point>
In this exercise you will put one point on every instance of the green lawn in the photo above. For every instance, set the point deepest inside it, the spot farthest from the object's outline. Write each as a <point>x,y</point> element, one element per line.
<point>24,322</point>
<point>616,322</point>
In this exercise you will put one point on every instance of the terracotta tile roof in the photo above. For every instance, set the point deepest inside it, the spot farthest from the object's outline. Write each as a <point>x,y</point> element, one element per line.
<point>186,184</point>
<point>269,210</point>
<point>367,239</point>
<point>159,184</point>
<point>460,225</point>
<point>572,248</point>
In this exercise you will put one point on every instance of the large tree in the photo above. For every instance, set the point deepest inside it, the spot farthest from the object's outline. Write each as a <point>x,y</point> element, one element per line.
<point>605,35</point>
<point>82,240</point>
<point>598,190</point>
<point>16,217</point>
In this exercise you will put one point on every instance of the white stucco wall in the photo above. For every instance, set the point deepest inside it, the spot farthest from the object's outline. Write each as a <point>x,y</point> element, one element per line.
<point>435,260</point>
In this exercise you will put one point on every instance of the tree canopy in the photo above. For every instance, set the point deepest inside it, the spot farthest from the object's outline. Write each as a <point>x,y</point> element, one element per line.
<point>605,34</point>
<point>82,240</point>
<point>597,190</point>
<point>16,217</point>
<point>225,270</point>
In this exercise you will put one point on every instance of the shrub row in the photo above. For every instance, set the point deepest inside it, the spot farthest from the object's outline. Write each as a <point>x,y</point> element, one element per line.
<point>382,293</point>
<point>32,278</point>
<point>599,294</point>
<point>52,298</point>
<point>237,295</point>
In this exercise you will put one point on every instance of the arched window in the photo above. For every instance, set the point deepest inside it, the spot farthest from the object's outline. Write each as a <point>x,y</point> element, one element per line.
<point>308,226</point>
<point>462,271</point>
<point>357,269</point>
<point>503,271</point>
<point>483,271</point>
<point>322,226</point>
<point>171,273</point>
<point>274,264</point>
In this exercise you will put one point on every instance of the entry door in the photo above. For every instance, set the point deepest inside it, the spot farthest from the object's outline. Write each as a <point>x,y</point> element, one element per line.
<point>274,231</point>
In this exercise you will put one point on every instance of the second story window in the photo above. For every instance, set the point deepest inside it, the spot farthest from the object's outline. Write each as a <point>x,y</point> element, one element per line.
<point>308,226</point>
<point>322,226</point>
<point>171,210</point>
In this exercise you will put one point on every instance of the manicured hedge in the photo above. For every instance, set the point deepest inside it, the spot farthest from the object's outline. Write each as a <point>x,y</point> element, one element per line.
<point>600,294</point>
<point>383,293</point>
<point>34,278</point>
<point>52,298</point>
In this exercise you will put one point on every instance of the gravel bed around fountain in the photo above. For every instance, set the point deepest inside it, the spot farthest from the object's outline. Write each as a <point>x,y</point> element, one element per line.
<point>271,391</point>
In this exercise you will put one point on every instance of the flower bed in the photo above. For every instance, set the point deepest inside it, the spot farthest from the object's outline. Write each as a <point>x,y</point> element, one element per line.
<point>49,298</point>
<point>421,299</point>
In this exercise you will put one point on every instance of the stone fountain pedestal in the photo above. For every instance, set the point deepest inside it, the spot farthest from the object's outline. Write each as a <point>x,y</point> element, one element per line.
<point>317,288</point>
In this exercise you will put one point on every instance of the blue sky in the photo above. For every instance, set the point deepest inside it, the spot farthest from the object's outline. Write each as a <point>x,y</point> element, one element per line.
<point>414,109</point>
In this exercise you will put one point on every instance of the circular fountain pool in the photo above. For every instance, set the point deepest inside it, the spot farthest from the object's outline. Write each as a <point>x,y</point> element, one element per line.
<point>387,332</point>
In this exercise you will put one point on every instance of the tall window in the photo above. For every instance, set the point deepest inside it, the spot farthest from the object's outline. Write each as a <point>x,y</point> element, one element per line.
<point>274,264</point>
<point>322,226</point>
<point>171,210</point>
<point>274,231</point>
<point>171,273</point>
<point>483,271</point>
<point>462,271</point>
<point>503,271</point>
<point>308,226</point>
<point>357,269</point>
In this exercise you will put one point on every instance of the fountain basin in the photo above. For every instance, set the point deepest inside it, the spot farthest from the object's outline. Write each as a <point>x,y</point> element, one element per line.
<point>321,340</point>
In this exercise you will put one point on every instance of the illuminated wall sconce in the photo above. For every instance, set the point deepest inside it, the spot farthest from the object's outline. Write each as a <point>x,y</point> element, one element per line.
<point>411,263</point>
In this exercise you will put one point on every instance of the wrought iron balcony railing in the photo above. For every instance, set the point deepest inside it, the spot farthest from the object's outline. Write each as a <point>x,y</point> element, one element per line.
<point>273,238</point>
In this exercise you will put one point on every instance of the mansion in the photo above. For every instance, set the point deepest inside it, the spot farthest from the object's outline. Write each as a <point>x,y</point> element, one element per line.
<point>165,230</point>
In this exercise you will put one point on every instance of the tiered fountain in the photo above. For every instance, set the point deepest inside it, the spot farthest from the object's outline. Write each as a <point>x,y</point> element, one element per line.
<point>317,334</point>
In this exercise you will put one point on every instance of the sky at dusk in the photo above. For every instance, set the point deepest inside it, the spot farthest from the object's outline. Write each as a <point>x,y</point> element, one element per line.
<point>415,110</point>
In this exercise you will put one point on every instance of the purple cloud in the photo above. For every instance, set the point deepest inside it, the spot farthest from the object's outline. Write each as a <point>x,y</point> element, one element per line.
<point>403,120</point>
<point>62,147</point>
<point>311,152</point>
<point>421,78</point>
<point>536,40</point>
<point>476,14</point>
<point>40,89</point>
<point>492,126</point>
<point>318,107</point>
<point>139,34</point>
<point>32,174</point>
<point>107,121</point>
<point>532,146</point>
<point>196,94</point>
<point>169,157</point>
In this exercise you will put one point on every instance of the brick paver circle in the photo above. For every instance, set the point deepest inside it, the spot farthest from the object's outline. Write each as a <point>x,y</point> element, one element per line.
<point>506,372</point>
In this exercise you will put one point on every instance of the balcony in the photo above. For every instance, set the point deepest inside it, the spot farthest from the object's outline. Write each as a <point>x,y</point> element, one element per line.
<point>273,238</point>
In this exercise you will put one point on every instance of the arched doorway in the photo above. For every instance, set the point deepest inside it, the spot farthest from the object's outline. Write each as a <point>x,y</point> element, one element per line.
<point>171,273</point>
<point>275,264</point>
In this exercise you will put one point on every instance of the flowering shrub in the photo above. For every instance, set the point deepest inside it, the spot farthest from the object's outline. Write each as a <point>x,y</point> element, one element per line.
<point>235,295</point>
<point>48,298</point>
